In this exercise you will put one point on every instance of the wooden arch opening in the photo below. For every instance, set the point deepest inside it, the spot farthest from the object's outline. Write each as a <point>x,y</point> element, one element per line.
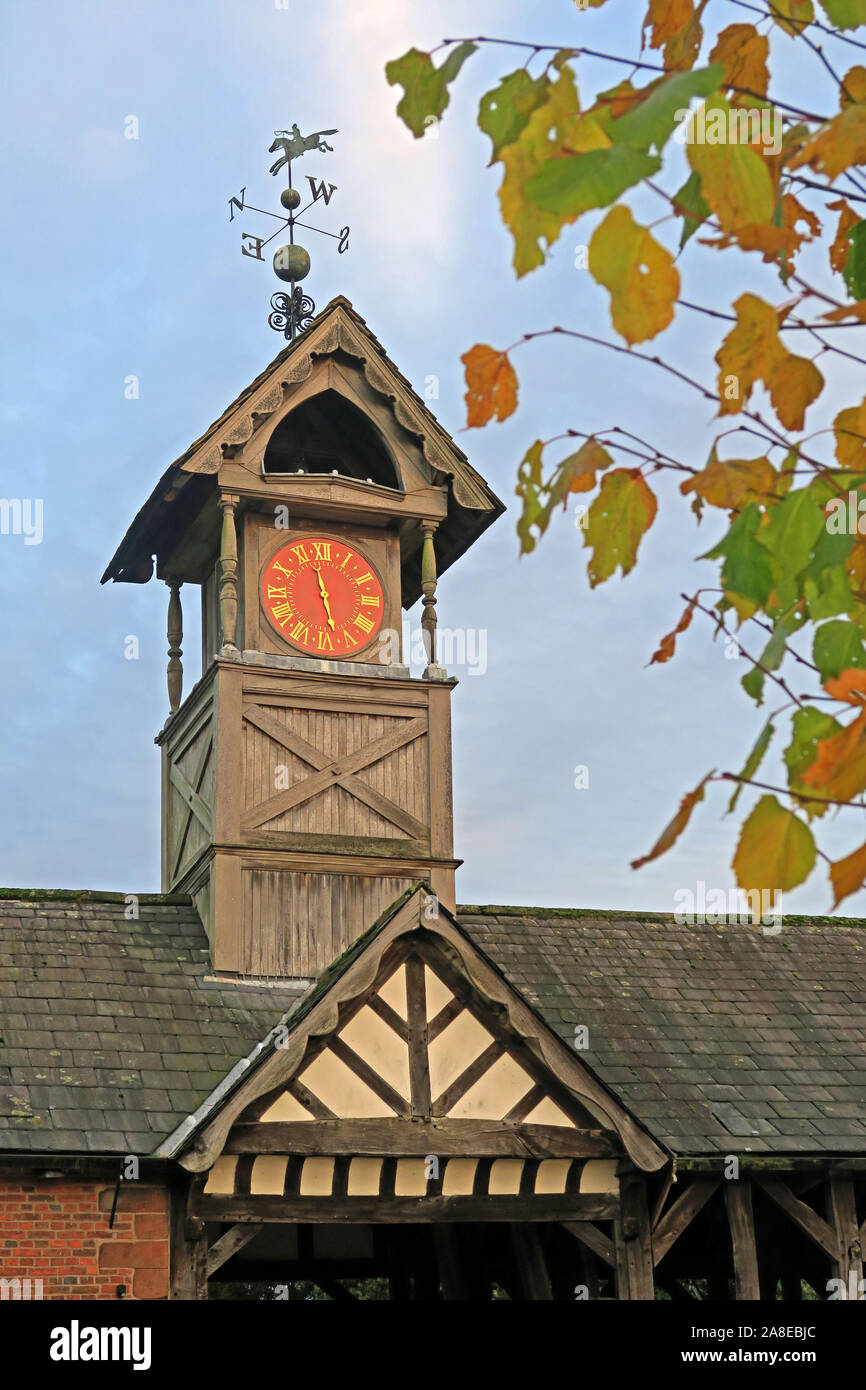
<point>328,434</point>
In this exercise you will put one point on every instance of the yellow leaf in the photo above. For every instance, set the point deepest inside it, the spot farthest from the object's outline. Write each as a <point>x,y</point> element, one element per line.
<point>674,829</point>
<point>742,51</point>
<point>795,384</point>
<point>792,15</point>
<point>748,353</point>
<point>841,245</point>
<point>735,180</point>
<point>849,428</point>
<point>731,483</point>
<point>621,514</point>
<point>847,875</point>
<point>776,849</point>
<point>753,352</point>
<point>665,18</point>
<point>838,145</point>
<point>554,126</point>
<point>853,85</point>
<point>491,385</point>
<point>857,312</point>
<point>577,473</point>
<point>640,274</point>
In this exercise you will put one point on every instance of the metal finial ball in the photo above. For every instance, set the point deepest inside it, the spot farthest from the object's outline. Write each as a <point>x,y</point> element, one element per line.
<point>290,198</point>
<point>291,262</point>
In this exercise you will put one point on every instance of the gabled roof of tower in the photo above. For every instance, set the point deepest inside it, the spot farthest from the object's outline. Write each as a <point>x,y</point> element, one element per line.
<point>472,505</point>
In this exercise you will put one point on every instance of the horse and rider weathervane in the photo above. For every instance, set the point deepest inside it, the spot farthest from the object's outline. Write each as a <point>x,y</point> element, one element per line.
<point>293,312</point>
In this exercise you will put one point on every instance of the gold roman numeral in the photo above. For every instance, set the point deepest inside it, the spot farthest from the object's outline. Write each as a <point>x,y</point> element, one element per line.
<point>325,643</point>
<point>365,624</point>
<point>276,591</point>
<point>362,578</point>
<point>323,550</point>
<point>301,553</point>
<point>300,632</point>
<point>281,612</point>
<point>369,600</point>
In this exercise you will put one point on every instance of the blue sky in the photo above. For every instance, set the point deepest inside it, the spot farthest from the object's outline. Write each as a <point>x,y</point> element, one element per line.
<point>120,260</point>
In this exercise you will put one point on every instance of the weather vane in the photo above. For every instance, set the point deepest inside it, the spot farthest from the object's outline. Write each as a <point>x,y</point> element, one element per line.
<point>293,312</point>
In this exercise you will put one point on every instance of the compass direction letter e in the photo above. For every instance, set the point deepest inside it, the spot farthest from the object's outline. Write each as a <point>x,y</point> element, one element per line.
<point>255,247</point>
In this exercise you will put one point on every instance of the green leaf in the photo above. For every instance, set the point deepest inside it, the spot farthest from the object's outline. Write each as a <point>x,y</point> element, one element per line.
<point>504,111</point>
<point>836,647</point>
<point>651,123</point>
<point>620,516</point>
<point>747,569</point>
<point>692,205</point>
<point>754,760</point>
<point>770,659</point>
<point>845,14</point>
<point>854,273</point>
<point>793,531</point>
<point>576,183</point>
<point>829,594</point>
<point>425,87</point>
<point>808,727</point>
<point>776,849</point>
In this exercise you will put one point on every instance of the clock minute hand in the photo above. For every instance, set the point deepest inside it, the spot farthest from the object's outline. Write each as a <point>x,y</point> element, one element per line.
<point>323,591</point>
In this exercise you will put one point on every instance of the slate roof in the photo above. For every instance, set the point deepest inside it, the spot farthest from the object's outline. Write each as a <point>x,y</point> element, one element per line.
<point>110,1032</point>
<point>718,1039</point>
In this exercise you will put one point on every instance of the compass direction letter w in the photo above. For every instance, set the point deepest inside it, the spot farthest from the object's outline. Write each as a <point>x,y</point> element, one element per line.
<point>322,191</point>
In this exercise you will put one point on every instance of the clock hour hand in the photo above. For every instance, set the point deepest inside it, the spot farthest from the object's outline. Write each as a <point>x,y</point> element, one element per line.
<point>323,591</point>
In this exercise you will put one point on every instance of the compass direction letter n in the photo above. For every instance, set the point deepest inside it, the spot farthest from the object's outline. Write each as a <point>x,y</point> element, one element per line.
<point>236,203</point>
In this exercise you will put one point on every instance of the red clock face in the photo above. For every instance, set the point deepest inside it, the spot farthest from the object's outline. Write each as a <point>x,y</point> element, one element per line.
<point>323,597</point>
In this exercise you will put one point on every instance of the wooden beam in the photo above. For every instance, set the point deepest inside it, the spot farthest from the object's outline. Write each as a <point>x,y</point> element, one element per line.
<point>529,1257</point>
<point>741,1223</point>
<point>679,1216</point>
<point>371,1078</point>
<point>803,1217</point>
<point>404,1138</point>
<point>633,1230</point>
<point>451,1272</point>
<point>419,1067</point>
<point>229,1244</point>
<point>397,1209</point>
<point>842,1210</point>
<point>594,1240</point>
<point>467,1079</point>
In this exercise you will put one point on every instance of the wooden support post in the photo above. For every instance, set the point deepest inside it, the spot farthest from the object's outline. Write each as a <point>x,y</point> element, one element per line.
<point>529,1258</point>
<point>174,633</point>
<point>741,1222</point>
<point>842,1212</point>
<point>633,1241</point>
<point>228,571</point>
<point>234,1239</point>
<point>187,1248</point>
<point>428,586</point>
<point>451,1272</point>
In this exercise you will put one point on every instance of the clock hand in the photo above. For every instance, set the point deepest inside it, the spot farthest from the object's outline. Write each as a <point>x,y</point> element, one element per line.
<point>323,591</point>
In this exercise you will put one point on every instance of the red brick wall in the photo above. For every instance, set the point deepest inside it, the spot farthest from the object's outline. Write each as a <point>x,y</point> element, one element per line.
<point>57,1230</point>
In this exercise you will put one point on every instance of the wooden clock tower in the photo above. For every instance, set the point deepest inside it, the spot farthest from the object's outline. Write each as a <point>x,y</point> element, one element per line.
<point>306,776</point>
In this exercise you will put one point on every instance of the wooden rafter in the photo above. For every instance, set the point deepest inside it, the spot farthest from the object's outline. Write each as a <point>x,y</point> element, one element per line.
<point>803,1217</point>
<point>419,1064</point>
<point>741,1222</point>
<point>480,1138</point>
<point>594,1240</point>
<point>195,806</point>
<point>229,1244</point>
<point>681,1214</point>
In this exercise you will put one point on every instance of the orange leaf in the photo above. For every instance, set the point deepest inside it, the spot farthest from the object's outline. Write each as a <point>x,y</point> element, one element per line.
<point>849,428</point>
<point>853,86</point>
<point>674,829</point>
<point>849,685</point>
<point>491,385</point>
<point>848,311</point>
<point>795,384</point>
<point>668,643</point>
<point>847,875</point>
<point>839,770</point>
<point>752,352</point>
<point>730,483</point>
<point>841,245</point>
<point>838,145</point>
<point>742,51</point>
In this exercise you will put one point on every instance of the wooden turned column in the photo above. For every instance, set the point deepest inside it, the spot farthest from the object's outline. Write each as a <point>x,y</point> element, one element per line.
<point>428,587</point>
<point>174,633</point>
<point>228,572</point>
